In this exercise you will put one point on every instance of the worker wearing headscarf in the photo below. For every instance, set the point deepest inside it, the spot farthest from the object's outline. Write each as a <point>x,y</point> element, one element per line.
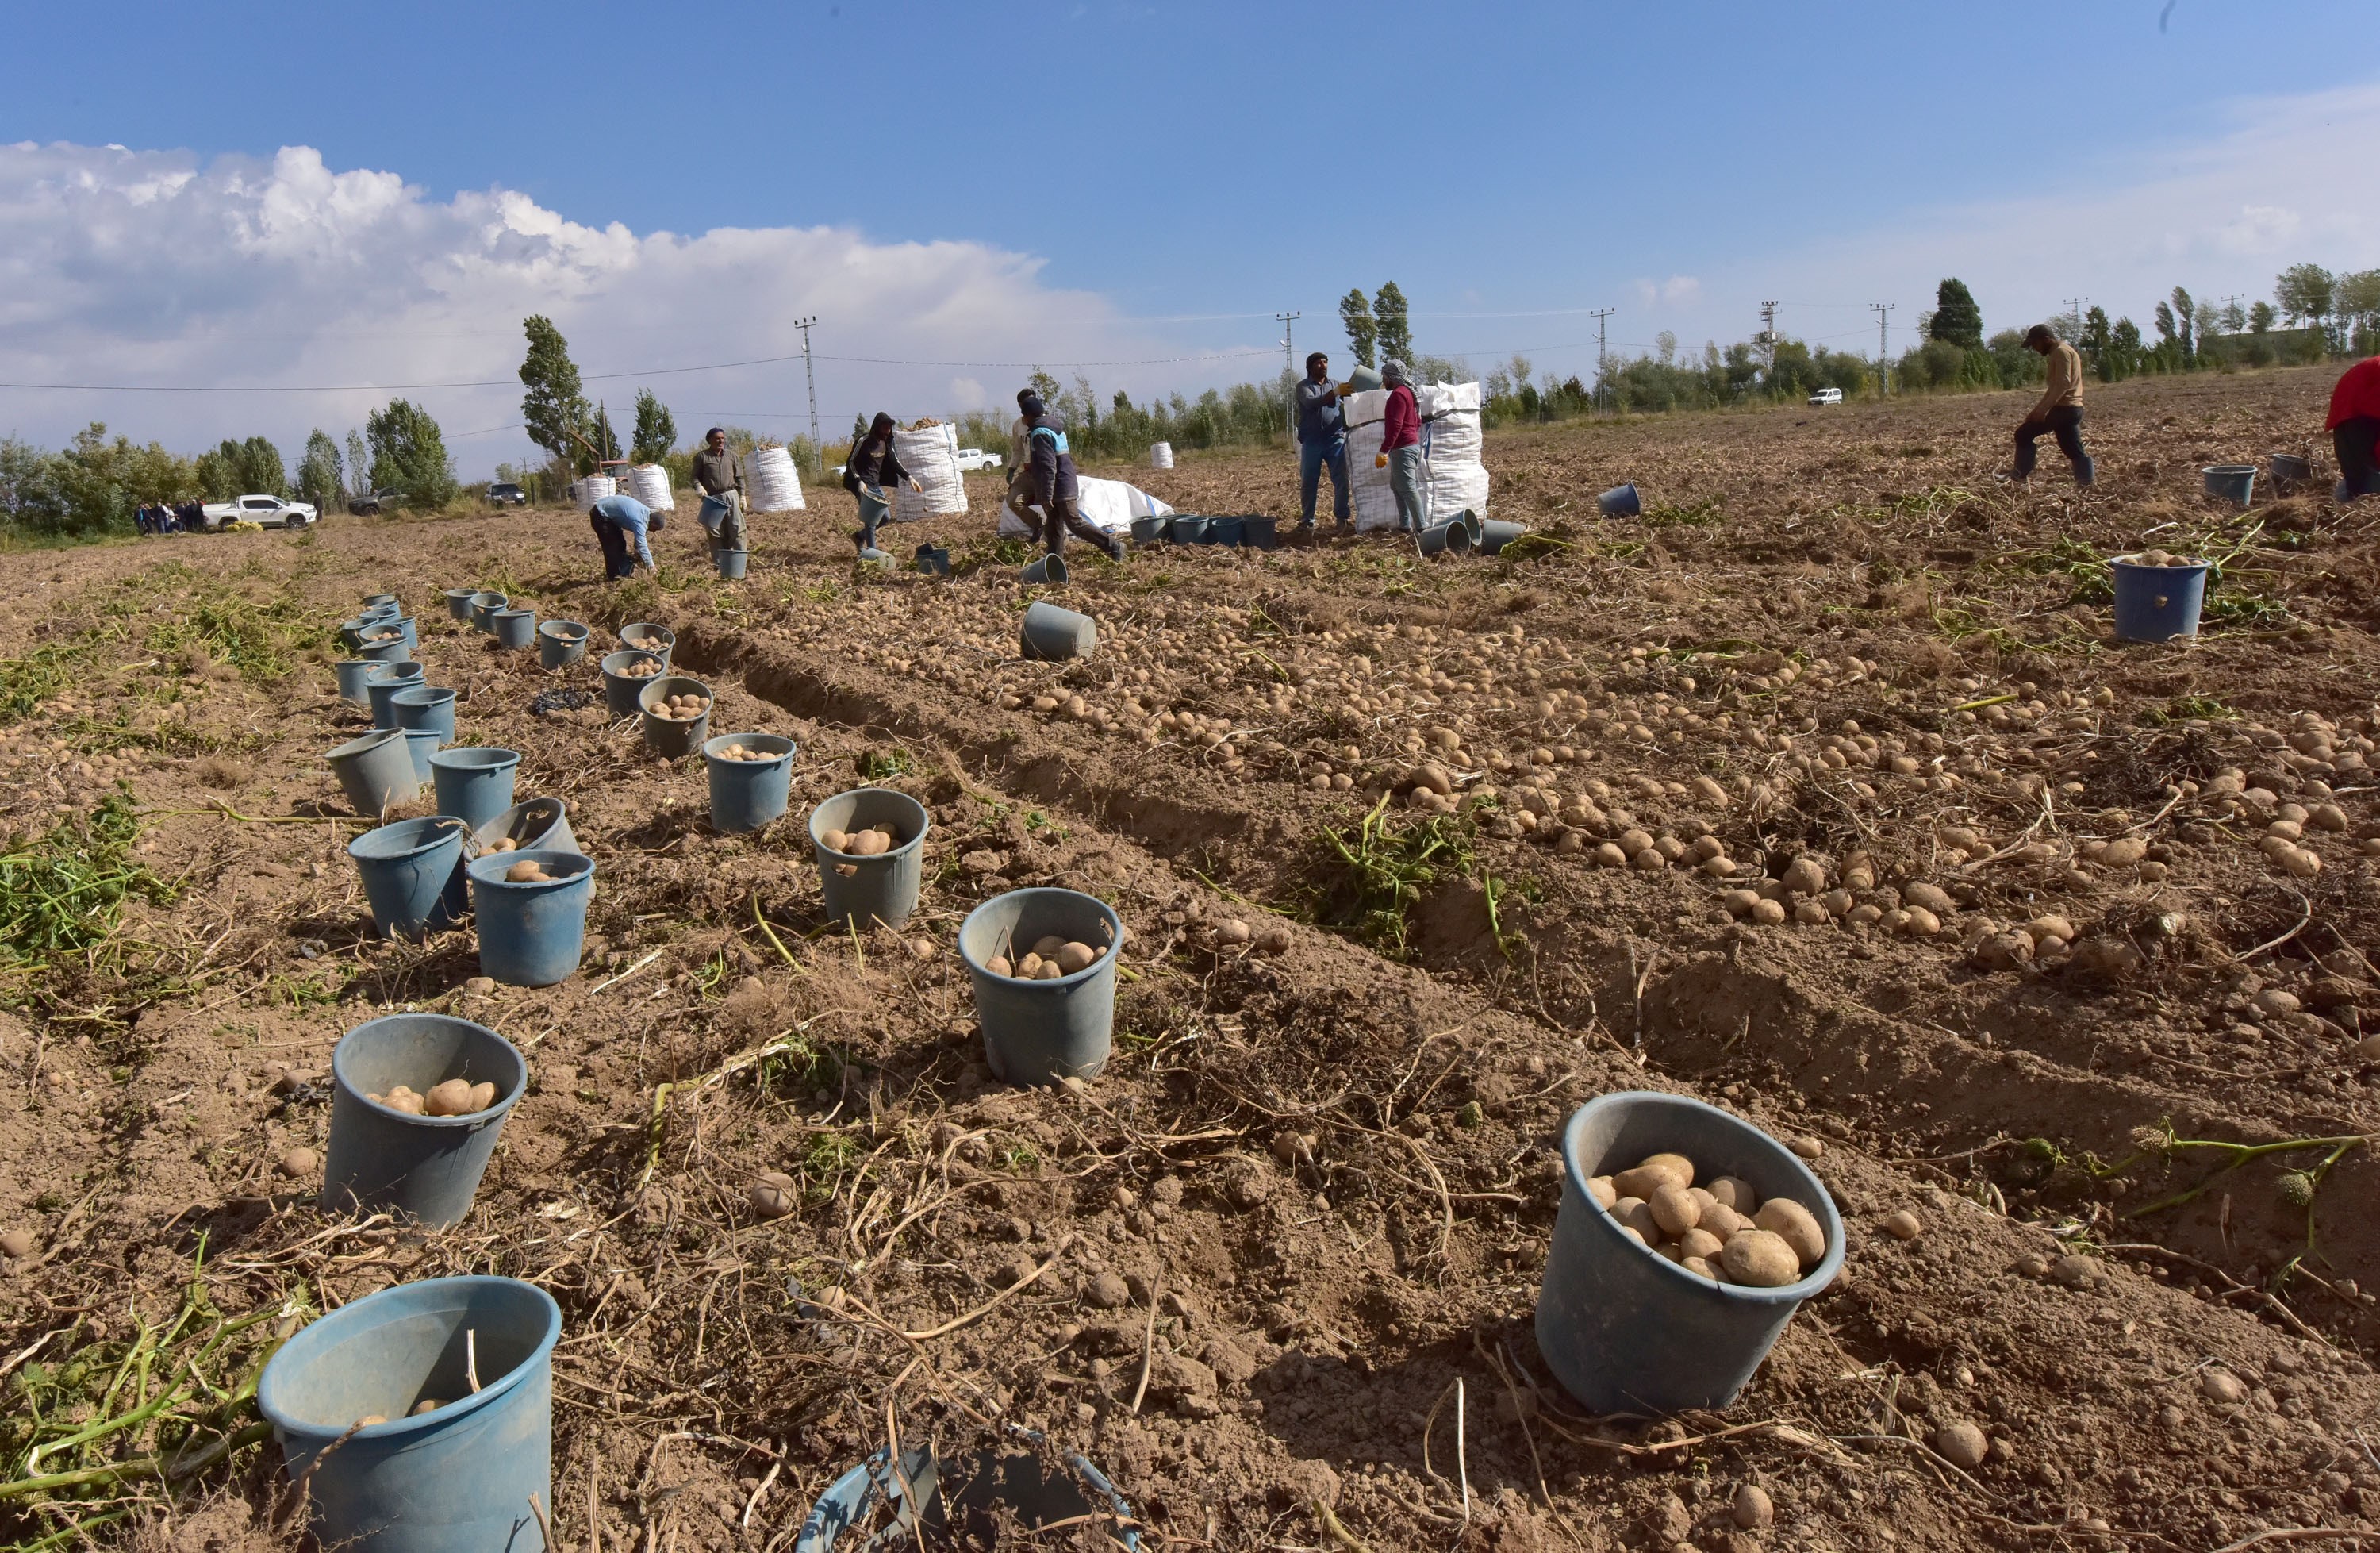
<point>872,463</point>
<point>1401,446</point>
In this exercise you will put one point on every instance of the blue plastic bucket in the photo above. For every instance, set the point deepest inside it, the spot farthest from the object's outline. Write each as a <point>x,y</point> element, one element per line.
<point>2235,483</point>
<point>412,874</point>
<point>870,890</point>
<point>748,794</point>
<point>1260,533</point>
<point>1053,633</point>
<point>731,563</point>
<point>1493,535</point>
<point>1450,538</point>
<point>534,824</point>
<point>380,601</point>
<point>424,1166</point>
<point>1147,530</point>
<point>934,560</point>
<point>351,633</point>
<point>2157,604</point>
<point>381,683</point>
<point>1039,1032</point>
<point>646,637</point>
<point>1183,529</point>
<point>458,601</point>
<point>513,628</point>
<point>671,737</point>
<point>385,652</point>
<point>2286,469</point>
<point>1224,531</point>
<point>474,784</point>
<point>1050,568</point>
<point>1621,501</point>
<point>621,689</point>
<point>422,744</point>
<point>375,771</point>
<point>428,708</point>
<point>560,643</point>
<point>531,933</point>
<point>351,672</point>
<point>458,1478</point>
<point>484,606</point>
<point>878,560</point>
<point>1622,1327</point>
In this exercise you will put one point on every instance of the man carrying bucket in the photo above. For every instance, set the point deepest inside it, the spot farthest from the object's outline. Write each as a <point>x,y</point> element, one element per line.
<point>2060,413</point>
<point>2353,425</point>
<point>1050,486</point>
<point>720,480</point>
<point>617,521</point>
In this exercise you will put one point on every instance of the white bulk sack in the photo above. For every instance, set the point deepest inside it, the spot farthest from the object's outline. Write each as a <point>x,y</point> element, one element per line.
<point>1454,479</point>
<point>1108,506</point>
<point>770,481</point>
<point>650,484</point>
<point>930,454</point>
<point>1161,455</point>
<point>591,489</point>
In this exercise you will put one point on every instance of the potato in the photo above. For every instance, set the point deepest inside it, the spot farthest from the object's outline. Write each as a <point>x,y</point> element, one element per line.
<point>450,1098</point>
<point>836,840</point>
<point>399,1099</point>
<point>1076,957</point>
<point>870,843</point>
<point>1233,931</point>
<point>1807,875</point>
<point>1761,1259</point>
<point>1963,1445</point>
<point>1630,1230</point>
<point>483,1095</point>
<point>298,1162</point>
<point>1735,1192</point>
<point>772,1194</point>
<point>1722,1220</point>
<point>1794,1225</point>
<point>1768,914</point>
<point>1637,1215</point>
<point>1700,1243</point>
<point>1048,946</point>
<point>1700,1266</point>
<point>1047,972</point>
<point>998,965</point>
<point>1029,967</point>
<point>1602,1192</point>
<point>1673,1210</point>
<point>427,1404</point>
<point>1904,1224</point>
<point>368,1420</point>
<point>505,844</point>
<point>529,871</point>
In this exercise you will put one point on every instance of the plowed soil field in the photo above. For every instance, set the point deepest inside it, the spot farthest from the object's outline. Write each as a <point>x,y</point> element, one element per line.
<point>1819,790</point>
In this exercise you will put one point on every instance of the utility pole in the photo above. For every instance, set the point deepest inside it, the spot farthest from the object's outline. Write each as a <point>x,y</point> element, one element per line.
<point>1768,337</point>
<point>1883,312</point>
<point>1600,353</point>
<point>2074,306</point>
<point>817,452</point>
<point>1288,362</point>
<point>2228,303</point>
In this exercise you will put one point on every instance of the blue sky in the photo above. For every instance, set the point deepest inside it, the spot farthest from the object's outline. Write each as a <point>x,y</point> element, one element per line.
<point>1123,182</point>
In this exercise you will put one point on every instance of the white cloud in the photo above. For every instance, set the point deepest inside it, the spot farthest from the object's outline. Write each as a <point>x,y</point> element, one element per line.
<point>1675,291</point>
<point>154,267</point>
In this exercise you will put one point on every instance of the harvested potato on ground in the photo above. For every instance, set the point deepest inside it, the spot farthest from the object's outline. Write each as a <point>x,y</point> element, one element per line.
<point>772,1194</point>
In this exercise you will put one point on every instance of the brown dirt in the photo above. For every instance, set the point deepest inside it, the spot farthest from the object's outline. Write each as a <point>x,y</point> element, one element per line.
<point>1323,1159</point>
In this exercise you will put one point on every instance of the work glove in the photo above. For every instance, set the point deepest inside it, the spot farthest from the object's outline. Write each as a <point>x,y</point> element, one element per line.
<point>1379,460</point>
<point>1346,388</point>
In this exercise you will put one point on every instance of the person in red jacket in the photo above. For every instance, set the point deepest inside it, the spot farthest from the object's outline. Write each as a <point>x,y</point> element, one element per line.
<point>1401,446</point>
<point>2353,425</point>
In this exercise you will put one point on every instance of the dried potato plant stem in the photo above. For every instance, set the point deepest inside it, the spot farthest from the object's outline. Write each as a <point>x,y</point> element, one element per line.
<point>1149,1338</point>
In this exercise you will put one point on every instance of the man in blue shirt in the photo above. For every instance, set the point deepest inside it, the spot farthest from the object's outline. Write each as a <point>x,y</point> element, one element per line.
<point>1322,441</point>
<point>618,521</point>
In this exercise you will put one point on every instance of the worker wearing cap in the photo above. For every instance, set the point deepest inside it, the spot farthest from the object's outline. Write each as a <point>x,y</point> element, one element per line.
<point>2353,425</point>
<point>618,520</point>
<point>720,480</point>
<point>1322,441</point>
<point>2060,412</point>
<point>1052,483</point>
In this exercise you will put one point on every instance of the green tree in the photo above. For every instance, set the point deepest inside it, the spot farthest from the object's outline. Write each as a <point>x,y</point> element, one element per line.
<point>2305,292</point>
<point>2096,343</point>
<point>260,469</point>
<point>553,401</point>
<point>1363,329</point>
<point>2232,319</point>
<point>2185,314</point>
<point>408,453</point>
<point>2261,318</point>
<point>359,461</point>
<point>1396,331</point>
<point>656,434</point>
<point>2126,348</point>
<point>2357,299</point>
<point>319,479</point>
<point>1956,317</point>
<point>599,433</point>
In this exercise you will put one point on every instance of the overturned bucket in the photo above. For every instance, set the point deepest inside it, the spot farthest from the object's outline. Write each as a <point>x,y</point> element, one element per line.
<point>1621,1326</point>
<point>870,889</point>
<point>474,783</point>
<point>2235,483</point>
<point>412,874</point>
<point>1450,538</point>
<point>746,794</point>
<point>928,1496</point>
<point>560,643</point>
<point>1494,535</point>
<point>1054,633</point>
<point>385,1159</point>
<point>474,1472</point>
<point>1621,501</point>
<point>621,688</point>
<point>1041,1031</point>
<point>1051,568</point>
<point>531,931</point>
<point>672,737</point>
<point>375,771</point>
<point>534,824</point>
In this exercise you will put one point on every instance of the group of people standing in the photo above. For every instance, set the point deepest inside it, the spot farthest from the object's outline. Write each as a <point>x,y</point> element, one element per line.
<point>164,518</point>
<point>1322,443</point>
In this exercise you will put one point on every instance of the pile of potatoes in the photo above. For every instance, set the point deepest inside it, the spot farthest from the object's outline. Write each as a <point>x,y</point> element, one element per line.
<point>454,1097</point>
<point>684,707</point>
<point>748,753</point>
<point>1049,958</point>
<point>644,670</point>
<point>529,871</point>
<point>1722,1231</point>
<point>860,843</point>
<point>503,844</point>
<point>384,636</point>
<point>2158,558</point>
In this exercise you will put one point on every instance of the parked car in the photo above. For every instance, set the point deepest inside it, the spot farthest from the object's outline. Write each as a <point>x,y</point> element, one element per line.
<point>503,492</point>
<point>1827,396</point>
<point>270,512</point>
<point>372,504</point>
<point>974,458</point>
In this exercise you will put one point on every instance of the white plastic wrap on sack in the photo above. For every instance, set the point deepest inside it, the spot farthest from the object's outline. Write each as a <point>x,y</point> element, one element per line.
<point>1454,479</point>
<point>1108,506</point>
<point>930,454</point>
<point>1161,455</point>
<point>770,481</point>
<point>591,489</point>
<point>650,484</point>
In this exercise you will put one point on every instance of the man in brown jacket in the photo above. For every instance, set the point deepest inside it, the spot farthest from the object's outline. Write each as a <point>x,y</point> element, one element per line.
<point>720,480</point>
<point>2060,413</point>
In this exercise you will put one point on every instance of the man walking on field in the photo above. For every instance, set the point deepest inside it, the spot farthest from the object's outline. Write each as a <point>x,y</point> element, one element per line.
<point>2353,425</point>
<point>2060,413</point>
<point>720,480</point>
<point>1051,484</point>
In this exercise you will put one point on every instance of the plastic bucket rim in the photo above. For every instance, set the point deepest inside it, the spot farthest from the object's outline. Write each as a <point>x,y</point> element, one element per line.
<point>435,828</point>
<point>629,652</point>
<point>457,757</point>
<point>391,671</point>
<point>1575,1178</point>
<point>488,1391</point>
<point>501,600</point>
<point>364,744</point>
<point>579,865</point>
<point>723,739</point>
<point>424,695</point>
<point>2131,563</point>
<point>564,630</point>
<point>657,682</point>
<point>504,1103</point>
<point>1105,961</point>
<point>926,817</point>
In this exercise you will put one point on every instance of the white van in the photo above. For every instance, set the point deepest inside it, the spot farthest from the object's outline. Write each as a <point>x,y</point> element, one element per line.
<point>1827,396</point>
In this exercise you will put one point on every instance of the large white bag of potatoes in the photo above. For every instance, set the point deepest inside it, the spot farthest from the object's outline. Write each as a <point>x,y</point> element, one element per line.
<point>930,454</point>
<point>1454,479</point>
<point>1108,506</point>
<point>770,481</point>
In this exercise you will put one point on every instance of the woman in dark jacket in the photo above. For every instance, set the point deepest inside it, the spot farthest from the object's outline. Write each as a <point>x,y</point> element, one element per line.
<point>872,465</point>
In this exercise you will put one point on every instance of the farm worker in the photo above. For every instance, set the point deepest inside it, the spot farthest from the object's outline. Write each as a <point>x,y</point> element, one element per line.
<point>720,480</point>
<point>141,521</point>
<point>873,462</point>
<point>1019,499</point>
<point>1056,506</point>
<point>2353,424</point>
<point>617,521</point>
<point>1401,446</point>
<point>1322,441</point>
<point>2060,413</point>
